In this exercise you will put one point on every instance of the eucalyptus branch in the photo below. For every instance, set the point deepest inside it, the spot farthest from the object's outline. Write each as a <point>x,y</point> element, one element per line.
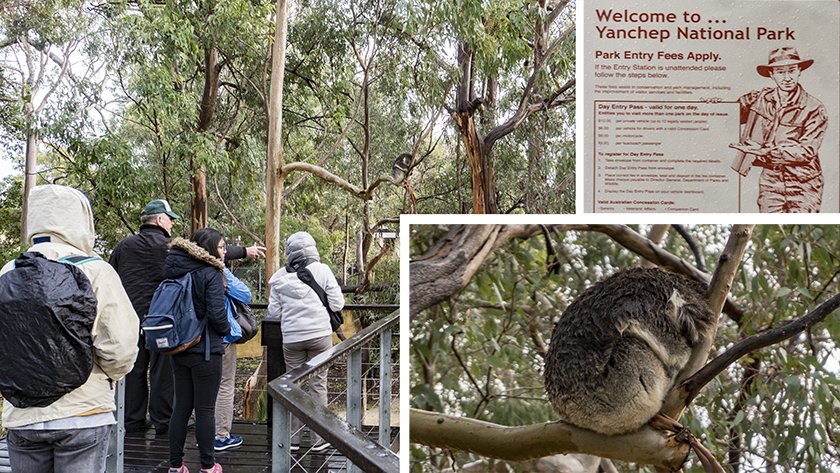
<point>655,235</point>
<point>646,446</point>
<point>340,182</point>
<point>728,263</point>
<point>324,156</point>
<point>698,380</point>
<point>466,369</point>
<point>451,263</point>
<point>232,216</point>
<point>387,248</point>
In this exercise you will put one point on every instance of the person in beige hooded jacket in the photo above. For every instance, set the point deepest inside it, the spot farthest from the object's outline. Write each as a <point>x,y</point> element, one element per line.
<point>71,434</point>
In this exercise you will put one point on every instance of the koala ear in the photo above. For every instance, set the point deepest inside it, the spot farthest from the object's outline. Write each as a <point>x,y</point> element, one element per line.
<point>674,305</point>
<point>681,316</point>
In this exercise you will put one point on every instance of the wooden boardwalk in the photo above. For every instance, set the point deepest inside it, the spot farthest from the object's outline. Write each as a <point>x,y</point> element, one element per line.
<point>146,453</point>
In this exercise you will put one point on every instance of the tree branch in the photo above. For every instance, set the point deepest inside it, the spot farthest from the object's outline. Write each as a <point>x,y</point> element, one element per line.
<point>730,260</point>
<point>232,216</point>
<point>451,263</point>
<point>326,176</point>
<point>645,446</point>
<point>695,383</point>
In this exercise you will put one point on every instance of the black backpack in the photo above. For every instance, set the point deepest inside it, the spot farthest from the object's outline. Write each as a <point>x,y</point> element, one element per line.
<point>47,310</point>
<point>336,317</point>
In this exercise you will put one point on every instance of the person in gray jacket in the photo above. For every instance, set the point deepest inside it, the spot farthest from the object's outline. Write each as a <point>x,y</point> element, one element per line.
<point>305,321</point>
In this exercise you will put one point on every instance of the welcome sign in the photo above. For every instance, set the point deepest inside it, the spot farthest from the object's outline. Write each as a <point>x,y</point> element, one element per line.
<point>716,106</point>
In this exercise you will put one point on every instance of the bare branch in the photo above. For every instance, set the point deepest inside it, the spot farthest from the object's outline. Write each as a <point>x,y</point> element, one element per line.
<point>718,291</point>
<point>340,182</point>
<point>233,216</point>
<point>646,446</point>
<point>695,383</point>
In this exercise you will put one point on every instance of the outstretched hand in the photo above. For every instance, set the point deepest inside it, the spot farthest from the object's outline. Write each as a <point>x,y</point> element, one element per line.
<point>255,251</point>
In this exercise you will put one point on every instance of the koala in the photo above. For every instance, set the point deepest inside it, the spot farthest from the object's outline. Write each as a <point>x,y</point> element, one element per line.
<point>617,349</point>
<point>400,167</point>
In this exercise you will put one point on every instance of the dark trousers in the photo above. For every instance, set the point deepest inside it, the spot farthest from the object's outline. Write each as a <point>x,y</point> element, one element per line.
<point>196,387</point>
<point>152,390</point>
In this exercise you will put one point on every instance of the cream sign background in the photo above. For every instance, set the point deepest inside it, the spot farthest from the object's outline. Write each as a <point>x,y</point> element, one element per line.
<point>662,81</point>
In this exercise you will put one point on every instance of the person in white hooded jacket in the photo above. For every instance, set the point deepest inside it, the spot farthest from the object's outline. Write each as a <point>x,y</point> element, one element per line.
<point>72,433</point>
<point>304,319</point>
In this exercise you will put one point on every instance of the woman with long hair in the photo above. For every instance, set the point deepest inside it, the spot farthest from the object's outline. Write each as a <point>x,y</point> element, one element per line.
<point>197,378</point>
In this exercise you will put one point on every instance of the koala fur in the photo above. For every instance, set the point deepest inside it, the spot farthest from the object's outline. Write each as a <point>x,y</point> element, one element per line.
<point>616,351</point>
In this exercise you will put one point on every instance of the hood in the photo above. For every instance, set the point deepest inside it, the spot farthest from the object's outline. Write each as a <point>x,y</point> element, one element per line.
<point>300,246</point>
<point>195,253</point>
<point>62,213</point>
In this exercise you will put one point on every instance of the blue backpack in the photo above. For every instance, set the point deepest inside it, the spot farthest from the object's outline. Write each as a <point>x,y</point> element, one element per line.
<point>171,326</point>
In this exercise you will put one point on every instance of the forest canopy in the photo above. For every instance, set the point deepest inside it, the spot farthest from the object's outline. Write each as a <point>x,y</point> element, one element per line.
<point>142,99</point>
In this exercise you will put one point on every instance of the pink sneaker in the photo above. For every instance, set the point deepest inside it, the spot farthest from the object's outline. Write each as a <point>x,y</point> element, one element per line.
<point>216,469</point>
<point>183,469</point>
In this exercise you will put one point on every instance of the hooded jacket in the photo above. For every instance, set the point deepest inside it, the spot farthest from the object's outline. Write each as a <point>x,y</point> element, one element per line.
<point>138,260</point>
<point>301,313</point>
<point>208,289</point>
<point>62,217</point>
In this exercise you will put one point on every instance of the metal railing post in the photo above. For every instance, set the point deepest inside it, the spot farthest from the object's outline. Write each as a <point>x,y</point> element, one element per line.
<point>281,431</point>
<point>385,388</point>
<point>116,444</point>
<point>362,452</point>
<point>354,396</point>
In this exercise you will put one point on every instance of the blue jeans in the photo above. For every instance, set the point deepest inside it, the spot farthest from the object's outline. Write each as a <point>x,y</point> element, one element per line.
<point>59,451</point>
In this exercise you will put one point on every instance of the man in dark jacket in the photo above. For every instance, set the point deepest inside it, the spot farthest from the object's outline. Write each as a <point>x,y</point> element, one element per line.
<point>139,260</point>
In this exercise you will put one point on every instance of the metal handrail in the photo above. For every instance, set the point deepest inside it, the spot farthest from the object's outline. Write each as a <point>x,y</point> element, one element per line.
<point>287,398</point>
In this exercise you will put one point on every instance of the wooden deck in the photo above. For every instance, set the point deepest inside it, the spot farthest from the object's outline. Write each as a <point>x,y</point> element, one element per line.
<point>146,453</point>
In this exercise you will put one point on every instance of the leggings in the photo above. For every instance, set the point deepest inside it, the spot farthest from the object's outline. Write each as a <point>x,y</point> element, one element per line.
<point>196,386</point>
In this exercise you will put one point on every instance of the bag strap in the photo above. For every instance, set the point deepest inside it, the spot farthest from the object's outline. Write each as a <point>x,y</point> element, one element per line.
<point>206,341</point>
<point>77,260</point>
<point>305,275</point>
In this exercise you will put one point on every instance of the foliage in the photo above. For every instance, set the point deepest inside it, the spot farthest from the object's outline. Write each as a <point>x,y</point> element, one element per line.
<point>476,355</point>
<point>11,189</point>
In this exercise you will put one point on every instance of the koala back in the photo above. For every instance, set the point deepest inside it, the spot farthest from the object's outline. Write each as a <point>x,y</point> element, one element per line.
<point>617,349</point>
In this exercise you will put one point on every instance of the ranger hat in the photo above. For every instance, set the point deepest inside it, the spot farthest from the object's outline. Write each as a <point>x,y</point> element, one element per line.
<point>783,57</point>
<point>159,206</point>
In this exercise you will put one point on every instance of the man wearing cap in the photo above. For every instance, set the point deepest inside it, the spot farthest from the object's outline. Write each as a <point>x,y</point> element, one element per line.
<point>139,260</point>
<point>782,130</point>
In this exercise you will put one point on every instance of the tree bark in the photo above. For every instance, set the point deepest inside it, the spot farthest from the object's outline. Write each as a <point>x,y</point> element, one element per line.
<point>29,175</point>
<point>451,263</point>
<point>473,147</point>
<point>207,108</point>
<point>655,235</point>
<point>273,184</point>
